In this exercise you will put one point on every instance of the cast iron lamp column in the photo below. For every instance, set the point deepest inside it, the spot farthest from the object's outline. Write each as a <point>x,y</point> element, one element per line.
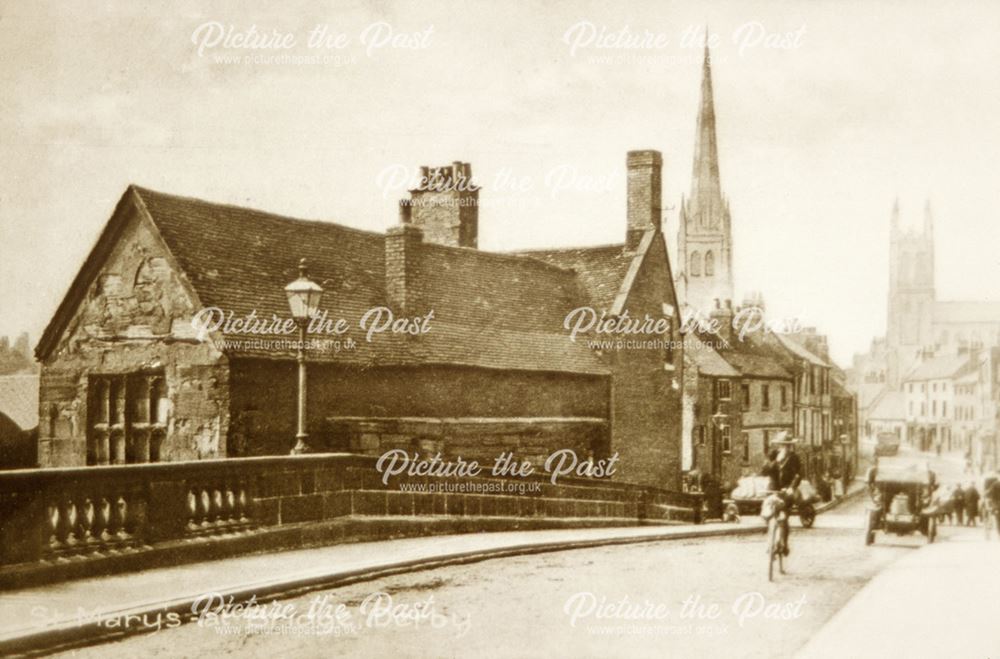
<point>303,299</point>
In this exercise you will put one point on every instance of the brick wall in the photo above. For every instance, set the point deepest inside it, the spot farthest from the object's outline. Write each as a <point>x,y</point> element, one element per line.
<point>646,406</point>
<point>765,417</point>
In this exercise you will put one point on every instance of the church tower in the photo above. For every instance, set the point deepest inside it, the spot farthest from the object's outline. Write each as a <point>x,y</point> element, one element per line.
<point>704,240</point>
<point>911,293</point>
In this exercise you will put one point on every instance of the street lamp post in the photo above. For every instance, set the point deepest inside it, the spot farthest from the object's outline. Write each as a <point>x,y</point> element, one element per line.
<point>303,299</point>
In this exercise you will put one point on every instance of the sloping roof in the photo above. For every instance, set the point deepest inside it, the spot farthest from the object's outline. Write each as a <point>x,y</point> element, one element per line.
<point>491,310</point>
<point>19,399</point>
<point>601,269</point>
<point>799,350</point>
<point>889,406</point>
<point>750,356</point>
<point>838,389</point>
<point>972,311</point>
<point>938,368</point>
<point>706,359</point>
<point>971,377</point>
<point>756,363</point>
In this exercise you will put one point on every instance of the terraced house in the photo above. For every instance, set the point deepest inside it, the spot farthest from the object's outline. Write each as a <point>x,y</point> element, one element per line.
<point>127,378</point>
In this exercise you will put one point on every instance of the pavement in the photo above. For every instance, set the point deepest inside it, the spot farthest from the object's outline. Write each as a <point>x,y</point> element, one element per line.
<point>87,610</point>
<point>938,601</point>
<point>90,610</point>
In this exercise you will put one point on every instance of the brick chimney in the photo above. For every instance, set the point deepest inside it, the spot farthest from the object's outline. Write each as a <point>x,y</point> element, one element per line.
<point>723,314</point>
<point>645,190</point>
<point>815,342</point>
<point>402,259</point>
<point>445,206</point>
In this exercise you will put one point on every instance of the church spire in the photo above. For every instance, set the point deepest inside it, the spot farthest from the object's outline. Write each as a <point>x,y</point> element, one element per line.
<point>706,189</point>
<point>705,241</point>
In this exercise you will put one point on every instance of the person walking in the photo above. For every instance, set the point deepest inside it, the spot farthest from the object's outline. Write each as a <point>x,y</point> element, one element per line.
<point>971,505</point>
<point>958,504</point>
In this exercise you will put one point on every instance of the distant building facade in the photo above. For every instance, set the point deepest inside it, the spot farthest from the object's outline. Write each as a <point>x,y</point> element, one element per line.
<point>923,333</point>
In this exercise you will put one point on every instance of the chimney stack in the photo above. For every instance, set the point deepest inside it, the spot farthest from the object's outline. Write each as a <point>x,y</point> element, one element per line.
<point>402,259</point>
<point>723,315</point>
<point>445,205</point>
<point>645,191</point>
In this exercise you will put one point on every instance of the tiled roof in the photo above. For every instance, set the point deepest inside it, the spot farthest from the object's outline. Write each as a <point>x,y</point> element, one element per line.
<point>490,310</point>
<point>938,368</point>
<point>751,356</point>
<point>799,350</point>
<point>706,359</point>
<point>756,363</point>
<point>19,399</point>
<point>601,270</point>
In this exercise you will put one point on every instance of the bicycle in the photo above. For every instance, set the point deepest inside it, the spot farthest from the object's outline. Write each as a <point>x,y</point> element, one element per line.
<point>775,511</point>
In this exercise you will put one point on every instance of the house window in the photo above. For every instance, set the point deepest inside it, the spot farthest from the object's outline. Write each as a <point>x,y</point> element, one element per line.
<point>765,392</point>
<point>944,408</point>
<point>127,418</point>
<point>934,408</point>
<point>695,264</point>
<point>709,263</point>
<point>699,433</point>
<point>745,391</point>
<point>724,390</point>
<point>727,439</point>
<point>746,447</point>
<point>767,441</point>
<point>784,397</point>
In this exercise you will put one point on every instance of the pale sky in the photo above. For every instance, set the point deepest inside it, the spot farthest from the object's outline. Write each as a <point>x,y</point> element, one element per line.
<point>870,100</point>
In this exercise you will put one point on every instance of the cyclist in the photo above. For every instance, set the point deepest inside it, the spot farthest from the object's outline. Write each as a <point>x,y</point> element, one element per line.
<point>784,469</point>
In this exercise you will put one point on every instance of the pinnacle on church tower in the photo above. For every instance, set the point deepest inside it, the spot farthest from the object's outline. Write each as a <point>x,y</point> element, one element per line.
<point>705,237</point>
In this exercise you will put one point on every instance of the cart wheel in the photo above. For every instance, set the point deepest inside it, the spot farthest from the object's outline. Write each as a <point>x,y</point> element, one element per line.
<point>807,515</point>
<point>869,531</point>
<point>931,529</point>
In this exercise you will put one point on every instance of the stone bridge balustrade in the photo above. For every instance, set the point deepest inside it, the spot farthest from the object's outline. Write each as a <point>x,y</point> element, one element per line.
<point>75,522</point>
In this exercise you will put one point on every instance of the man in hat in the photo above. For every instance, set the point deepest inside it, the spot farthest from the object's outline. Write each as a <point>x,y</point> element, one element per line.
<point>784,469</point>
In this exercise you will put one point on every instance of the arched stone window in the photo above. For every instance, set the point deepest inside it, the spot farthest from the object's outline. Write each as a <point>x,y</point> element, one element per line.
<point>709,263</point>
<point>695,266</point>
